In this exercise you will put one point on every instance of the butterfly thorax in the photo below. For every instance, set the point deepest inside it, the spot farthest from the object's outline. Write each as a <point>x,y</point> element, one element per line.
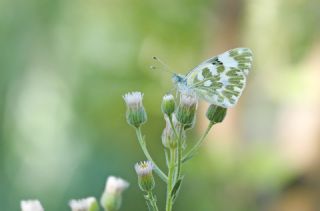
<point>180,82</point>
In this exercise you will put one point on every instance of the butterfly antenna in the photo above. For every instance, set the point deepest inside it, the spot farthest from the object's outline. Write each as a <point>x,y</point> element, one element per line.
<point>166,67</point>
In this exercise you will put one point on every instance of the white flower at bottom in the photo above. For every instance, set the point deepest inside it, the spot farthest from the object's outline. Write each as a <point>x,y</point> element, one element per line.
<point>112,195</point>
<point>31,205</point>
<point>87,204</point>
<point>116,185</point>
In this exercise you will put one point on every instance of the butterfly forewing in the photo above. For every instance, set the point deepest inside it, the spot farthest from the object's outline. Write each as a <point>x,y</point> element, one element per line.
<point>220,80</point>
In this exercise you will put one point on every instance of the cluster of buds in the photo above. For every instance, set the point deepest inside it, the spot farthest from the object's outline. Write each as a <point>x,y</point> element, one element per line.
<point>145,176</point>
<point>112,196</point>
<point>178,117</point>
<point>87,204</point>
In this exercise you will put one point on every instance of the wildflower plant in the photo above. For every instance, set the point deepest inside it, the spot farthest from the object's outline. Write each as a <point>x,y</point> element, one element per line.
<point>220,81</point>
<point>179,117</point>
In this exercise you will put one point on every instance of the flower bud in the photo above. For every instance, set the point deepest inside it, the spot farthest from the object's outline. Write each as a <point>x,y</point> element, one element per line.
<point>168,105</point>
<point>187,110</point>
<point>168,137</point>
<point>136,114</point>
<point>31,205</point>
<point>216,114</point>
<point>87,204</point>
<point>112,195</point>
<point>145,177</point>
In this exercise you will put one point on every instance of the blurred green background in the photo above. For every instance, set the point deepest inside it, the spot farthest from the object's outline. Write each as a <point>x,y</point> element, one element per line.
<point>65,65</point>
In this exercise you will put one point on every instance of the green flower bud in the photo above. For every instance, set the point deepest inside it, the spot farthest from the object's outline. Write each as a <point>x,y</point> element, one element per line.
<point>136,114</point>
<point>87,204</point>
<point>168,137</point>
<point>112,195</point>
<point>187,110</point>
<point>145,177</point>
<point>216,114</point>
<point>168,105</point>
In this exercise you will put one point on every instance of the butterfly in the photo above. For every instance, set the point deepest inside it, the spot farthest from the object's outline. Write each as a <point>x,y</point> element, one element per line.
<point>219,80</point>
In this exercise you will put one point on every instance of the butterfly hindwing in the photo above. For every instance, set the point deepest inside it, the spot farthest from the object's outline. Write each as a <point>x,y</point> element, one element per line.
<point>220,80</point>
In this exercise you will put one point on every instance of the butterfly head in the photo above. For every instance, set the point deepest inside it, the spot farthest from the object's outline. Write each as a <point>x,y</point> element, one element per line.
<point>178,79</point>
<point>180,82</point>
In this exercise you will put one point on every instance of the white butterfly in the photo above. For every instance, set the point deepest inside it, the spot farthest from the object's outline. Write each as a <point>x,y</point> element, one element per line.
<point>219,80</point>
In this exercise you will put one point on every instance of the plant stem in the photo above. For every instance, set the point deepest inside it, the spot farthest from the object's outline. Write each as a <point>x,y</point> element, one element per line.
<point>172,126</point>
<point>152,201</point>
<point>179,152</point>
<point>170,179</point>
<point>147,154</point>
<point>196,147</point>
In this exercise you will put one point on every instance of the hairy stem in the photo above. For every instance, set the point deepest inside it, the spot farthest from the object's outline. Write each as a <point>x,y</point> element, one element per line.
<point>152,201</point>
<point>147,154</point>
<point>196,147</point>
<point>170,179</point>
<point>179,152</point>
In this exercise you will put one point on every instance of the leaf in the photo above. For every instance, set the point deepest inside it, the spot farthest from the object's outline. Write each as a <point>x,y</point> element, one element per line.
<point>185,159</point>
<point>176,188</point>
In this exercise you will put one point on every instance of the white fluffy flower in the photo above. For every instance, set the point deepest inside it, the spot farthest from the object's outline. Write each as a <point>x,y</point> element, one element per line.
<point>188,100</point>
<point>86,204</point>
<point>133,99</point>
<point>111,197</point>
<point>136,114</point>
<point>31,205</point>
<point>116,185</point>
<point>143,168</point>
<point>168,97</point>
<point>145,177</point>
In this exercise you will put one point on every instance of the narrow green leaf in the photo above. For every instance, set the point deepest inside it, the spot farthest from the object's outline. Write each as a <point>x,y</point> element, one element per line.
<point>176,188</point>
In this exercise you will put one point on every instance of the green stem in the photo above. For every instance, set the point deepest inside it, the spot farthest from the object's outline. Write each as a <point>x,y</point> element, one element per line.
<point>196,147</point>
<point>147,154</point>
<point>179,152</point>
<point>172,126</point>
<point>170,179</point>
<point>152,201</point>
